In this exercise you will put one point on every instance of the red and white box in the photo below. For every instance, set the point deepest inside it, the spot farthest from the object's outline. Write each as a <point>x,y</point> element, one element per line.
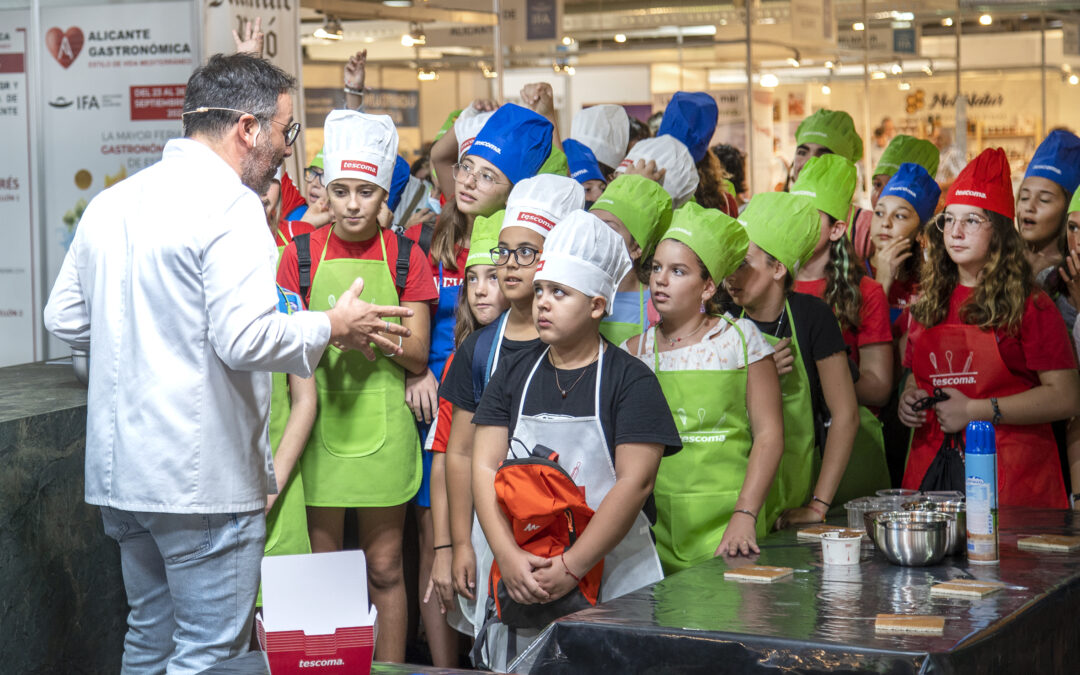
<point>316,617</point>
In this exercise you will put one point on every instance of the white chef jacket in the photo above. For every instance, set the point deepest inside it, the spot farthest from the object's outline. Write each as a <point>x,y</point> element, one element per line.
<point>170,283</point>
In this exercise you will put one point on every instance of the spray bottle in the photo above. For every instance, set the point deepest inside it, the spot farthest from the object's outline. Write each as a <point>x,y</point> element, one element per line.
<point>980,469</point>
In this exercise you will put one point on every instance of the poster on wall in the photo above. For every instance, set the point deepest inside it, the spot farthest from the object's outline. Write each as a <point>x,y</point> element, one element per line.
<point>18,320</point>
<point>280,23</point>
<point>113,87</point>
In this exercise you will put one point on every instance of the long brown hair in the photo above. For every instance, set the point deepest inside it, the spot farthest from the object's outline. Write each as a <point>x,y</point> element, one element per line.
<point>1003,287</point>
<point>711,176</point>
<point>843,273</point>
<point>449,235</point>
<point>465,323</point>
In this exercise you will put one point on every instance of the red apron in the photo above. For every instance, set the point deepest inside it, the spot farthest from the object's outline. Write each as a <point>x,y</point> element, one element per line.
<point>967,358</point>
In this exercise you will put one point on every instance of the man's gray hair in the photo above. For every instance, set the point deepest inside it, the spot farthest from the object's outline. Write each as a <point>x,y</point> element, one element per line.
<point>237,81</point>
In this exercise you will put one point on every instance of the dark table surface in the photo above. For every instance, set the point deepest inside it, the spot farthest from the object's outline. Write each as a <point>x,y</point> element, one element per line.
<point>822,619</point>
<point>253,663</point>
<point>38,388</point>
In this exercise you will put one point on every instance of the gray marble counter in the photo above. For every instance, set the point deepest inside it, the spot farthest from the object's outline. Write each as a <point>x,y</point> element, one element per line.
<point>62,603</point>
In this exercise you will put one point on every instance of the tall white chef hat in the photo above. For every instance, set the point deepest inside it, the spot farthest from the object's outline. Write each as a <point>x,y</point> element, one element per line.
<point>358,145</point>
<point>669,153</point>
<point>540,202</point>
<point>604,129</point>
<point>467,126</point>
<point>586,254</point>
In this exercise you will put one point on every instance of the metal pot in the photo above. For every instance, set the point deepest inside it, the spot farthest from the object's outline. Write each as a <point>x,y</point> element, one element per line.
<point>956,530</point>
<point>912,538</point>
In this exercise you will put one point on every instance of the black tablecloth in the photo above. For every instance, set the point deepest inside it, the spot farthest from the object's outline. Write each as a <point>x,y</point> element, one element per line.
<point>822,619</point>
<point>253,663</point>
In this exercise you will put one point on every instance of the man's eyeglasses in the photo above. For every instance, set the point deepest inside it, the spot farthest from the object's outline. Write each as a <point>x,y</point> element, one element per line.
<point>312,174</point>
<point>969,223</point>
<point>523,255</point>
<point>291,130</point>
<point>485,180</point>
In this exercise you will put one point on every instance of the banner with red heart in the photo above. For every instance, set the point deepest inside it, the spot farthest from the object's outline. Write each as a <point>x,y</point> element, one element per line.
<point>64,45</point>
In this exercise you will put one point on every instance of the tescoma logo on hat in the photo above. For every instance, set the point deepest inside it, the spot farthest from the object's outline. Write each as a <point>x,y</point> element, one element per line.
<point>970,193</point>
<point>491,146</point>
<point>536,219</point>
<point>357,165</point>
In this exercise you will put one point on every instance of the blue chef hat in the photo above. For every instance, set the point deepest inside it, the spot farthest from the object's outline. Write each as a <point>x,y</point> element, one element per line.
<point>582,161</point>
<point>516,140</point>
<point>1058,159</point>
<point>398,182</point>
<point>690,117</point>
<point>913,184</point>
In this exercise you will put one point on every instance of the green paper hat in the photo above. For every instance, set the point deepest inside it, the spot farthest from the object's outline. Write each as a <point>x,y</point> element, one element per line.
<point>317,160</point>
<point>555,163</point>
<point>450,119</point>
<point>784,225</point>
<point>718,239</point>
<point>485,236</point>
<point>642,205</point>
<point>834,129</point>
<point>729,187</point>
<point>1074,205</point>
<point>829,182</point>
<point>903,148</point>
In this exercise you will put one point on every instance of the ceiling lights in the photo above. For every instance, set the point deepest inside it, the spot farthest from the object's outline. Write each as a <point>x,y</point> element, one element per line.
<point>415,37</point>
<point>398,3</point>
<point>986,20</point>
<point>858,25</point>
<point>330,30</point>
<point>620,38</point>
<point>947,21</point>
<point>769,80</point>
<point>487,72</point>
<point>826,89</point>
<point>426,74</point>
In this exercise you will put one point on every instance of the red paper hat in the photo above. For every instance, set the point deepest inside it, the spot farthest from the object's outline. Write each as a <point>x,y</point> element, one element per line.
<point>985,183</point>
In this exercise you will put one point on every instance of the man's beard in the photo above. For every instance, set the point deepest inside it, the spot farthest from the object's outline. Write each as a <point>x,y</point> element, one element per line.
<point>259,167</point>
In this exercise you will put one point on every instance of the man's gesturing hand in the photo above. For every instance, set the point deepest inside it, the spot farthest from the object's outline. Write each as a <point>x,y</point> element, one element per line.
<point>355,324</point>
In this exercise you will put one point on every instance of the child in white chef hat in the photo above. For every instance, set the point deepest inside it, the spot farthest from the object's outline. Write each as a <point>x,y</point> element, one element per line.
<point>599,408</point>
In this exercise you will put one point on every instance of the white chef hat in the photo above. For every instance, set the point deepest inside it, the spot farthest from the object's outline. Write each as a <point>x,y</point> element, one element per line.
<point>670,154</point>
<point>279,173</point>
<point>358,145</point>
<point>540,202</point>
<point>585,254</point>
<point>467,126</point>
<point>604,129</point>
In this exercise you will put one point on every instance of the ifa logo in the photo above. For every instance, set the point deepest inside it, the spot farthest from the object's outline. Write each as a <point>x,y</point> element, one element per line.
<point>357,165</point>
<point>64,45</point>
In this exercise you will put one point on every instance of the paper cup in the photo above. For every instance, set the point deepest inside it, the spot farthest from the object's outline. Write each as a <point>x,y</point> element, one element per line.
<point>840,549</point>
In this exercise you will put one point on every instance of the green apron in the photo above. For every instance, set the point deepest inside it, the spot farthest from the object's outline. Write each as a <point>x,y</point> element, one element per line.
<point>867,469</point>
<point>800,462</point>
<point>696,488</point>
<point>618,332</point>
<point>364,450</point>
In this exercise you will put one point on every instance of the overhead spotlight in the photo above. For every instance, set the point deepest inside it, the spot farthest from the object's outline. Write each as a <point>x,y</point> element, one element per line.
<point>415,37</point>
<point>398,3</point>
<point>426,74</point>
<point>567,41</point>
<point>330,30</point>
<point>904,85</point>
<point>858,25</point>
<point>794,62</point>
<point>830,65</point>
<point>897,69</point>
<point>826,89</point>
<point>569,70</point>
<point>878,75</point>
<point>947,21</point>
<point>488,73</point>
<point>620,38</point>
<point>769,80</point>
<point>1074,79</point>
<point>929,69</point>
<point>986,20</point>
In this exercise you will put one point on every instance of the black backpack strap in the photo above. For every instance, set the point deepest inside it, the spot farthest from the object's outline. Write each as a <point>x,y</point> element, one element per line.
<point>426,232</point>
<point>303,263</point>
<point>401,269</point>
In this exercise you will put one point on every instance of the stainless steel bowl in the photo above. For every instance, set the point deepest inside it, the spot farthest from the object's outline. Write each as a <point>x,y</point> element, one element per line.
<point>912,538</point>
<point>80,362</point>
<point>956,530</point>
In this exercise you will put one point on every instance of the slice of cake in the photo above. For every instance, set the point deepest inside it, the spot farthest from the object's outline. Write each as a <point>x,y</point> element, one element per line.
<point>966,588</point>
<point>1057,543</point>
<point>759,574</point>
<point>909,623</point>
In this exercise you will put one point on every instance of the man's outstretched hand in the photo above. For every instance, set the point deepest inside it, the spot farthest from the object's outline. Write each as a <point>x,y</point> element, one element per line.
<point>356,324</point>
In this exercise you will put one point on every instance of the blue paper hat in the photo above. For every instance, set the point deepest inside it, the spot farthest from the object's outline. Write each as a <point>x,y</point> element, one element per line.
<point>691,116</point>
<point>398,182</point>
<point>913,184</point>
<point>1058,159</point>
<point>582,161</point>
<point>516,140</point>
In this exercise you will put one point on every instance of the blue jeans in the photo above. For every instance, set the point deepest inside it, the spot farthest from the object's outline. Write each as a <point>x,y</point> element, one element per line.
<point>191,581</point>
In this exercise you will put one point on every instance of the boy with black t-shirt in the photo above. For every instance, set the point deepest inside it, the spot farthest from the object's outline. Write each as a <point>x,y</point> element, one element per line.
<point>598,407</point>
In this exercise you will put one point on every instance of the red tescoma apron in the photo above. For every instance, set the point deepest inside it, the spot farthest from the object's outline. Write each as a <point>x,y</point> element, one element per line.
<point>967,358</point>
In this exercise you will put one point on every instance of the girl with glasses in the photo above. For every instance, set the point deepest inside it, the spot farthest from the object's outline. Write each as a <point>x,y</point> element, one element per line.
<point>988,344</point>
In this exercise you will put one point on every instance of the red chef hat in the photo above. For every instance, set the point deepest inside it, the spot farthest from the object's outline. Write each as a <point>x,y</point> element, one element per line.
<point>985,183</point>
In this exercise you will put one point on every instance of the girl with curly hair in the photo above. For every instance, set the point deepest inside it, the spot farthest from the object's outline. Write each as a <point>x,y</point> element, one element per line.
<point>988,343</point>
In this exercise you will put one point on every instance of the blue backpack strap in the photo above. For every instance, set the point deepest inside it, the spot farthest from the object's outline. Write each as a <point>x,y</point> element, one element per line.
<point>483,356</point>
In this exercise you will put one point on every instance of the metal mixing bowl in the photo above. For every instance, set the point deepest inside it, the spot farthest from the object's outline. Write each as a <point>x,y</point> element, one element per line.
<point>956,530</point>
<point>912,538</point>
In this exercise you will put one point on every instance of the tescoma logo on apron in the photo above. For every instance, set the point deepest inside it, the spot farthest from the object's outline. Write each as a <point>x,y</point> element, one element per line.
<point>952,376</point>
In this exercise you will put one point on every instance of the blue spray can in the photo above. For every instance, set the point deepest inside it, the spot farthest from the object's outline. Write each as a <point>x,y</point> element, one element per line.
<point>980,469</point>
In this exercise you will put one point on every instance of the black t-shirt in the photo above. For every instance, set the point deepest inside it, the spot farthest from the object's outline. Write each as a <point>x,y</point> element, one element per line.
<point>632,404</point>
<point>819,337</point>
<point>457,386</point>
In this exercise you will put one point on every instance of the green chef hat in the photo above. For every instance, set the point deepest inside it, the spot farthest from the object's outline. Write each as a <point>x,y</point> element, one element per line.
<point>903,148</point>
<point>784,225</point>
<point>1074,205</point>
<point>718,239</point>
<point>829,182</point>
<point>485,236</point>
<point>643,206</point>
<point>555,163</point>
<point>834,129</point>
<point>317,160</point>
<point>450,119</point>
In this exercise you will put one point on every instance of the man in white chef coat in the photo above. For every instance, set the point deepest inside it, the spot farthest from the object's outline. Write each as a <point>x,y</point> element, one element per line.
<point>169,282</point>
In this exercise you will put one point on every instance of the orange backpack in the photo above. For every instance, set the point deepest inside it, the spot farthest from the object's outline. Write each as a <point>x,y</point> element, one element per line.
<point>547,512</point>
